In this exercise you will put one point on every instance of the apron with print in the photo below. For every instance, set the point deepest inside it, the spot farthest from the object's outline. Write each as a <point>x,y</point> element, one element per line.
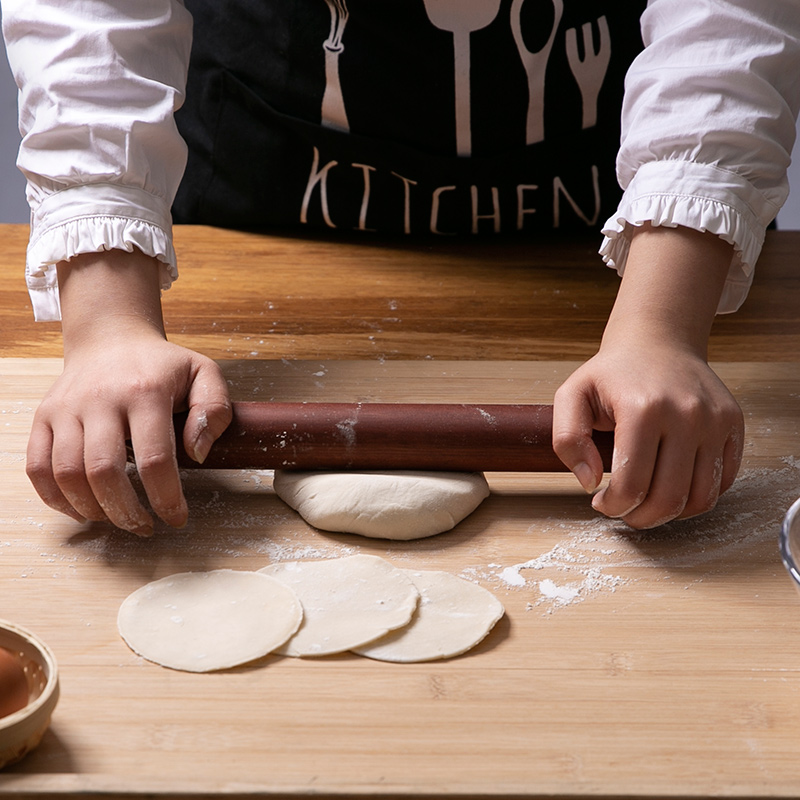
<point>405,116</point>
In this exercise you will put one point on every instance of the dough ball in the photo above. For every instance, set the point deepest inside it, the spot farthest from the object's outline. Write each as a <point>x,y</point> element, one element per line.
<point>347,602</point>
<point>385,505</point>
<point>453,615</point>
<point>204,621</point>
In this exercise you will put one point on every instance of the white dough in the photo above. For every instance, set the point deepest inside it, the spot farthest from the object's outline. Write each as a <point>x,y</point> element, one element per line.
<point>453,615</point>
<point>203,621</point>
<point>385,505</point>
<point>347,602</point>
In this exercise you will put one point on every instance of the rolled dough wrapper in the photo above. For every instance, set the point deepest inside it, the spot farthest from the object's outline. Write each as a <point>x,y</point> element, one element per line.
<point>347,602</point>
<point>400,505</point>
<point>204,621</point>
<point>453,616</point>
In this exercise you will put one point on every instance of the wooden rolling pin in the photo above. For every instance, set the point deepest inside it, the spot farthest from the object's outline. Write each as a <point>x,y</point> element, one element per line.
<point>388,436</point>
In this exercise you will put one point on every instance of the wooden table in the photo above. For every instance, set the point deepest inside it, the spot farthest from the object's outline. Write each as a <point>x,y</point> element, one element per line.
<point>628,664</point>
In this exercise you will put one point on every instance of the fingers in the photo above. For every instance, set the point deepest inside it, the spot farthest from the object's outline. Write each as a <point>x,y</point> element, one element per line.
<point>633,469</point>
<point>82,473</point>
<point>573,423</point>
<point>77,455</point>
<point>675,452</point>
<point>105,465</point>
<point>665,479</point>
<point>210,411</point>
<point>153,438</point>
<point>40,472</point>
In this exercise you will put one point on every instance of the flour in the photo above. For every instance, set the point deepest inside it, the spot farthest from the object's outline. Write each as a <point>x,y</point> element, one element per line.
<point>598,556</point>
<point>566,562</point>
<point>563,594</point>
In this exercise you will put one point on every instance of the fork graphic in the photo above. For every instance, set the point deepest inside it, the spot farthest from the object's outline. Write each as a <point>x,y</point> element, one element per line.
<point>590,72</point>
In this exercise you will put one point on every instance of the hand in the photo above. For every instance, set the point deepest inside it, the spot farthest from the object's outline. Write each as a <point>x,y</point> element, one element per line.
<point>678,431</point>
<point>122,381</point>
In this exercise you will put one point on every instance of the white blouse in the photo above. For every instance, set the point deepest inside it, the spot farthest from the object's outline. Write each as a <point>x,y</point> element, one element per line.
<point>708,126</point>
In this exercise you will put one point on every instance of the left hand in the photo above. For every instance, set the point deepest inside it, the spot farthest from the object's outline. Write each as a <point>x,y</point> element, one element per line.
<point>678,432</point>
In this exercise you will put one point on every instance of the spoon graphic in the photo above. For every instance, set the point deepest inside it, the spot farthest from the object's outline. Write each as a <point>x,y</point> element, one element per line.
<point>461,18</point>
<point>535,64</point>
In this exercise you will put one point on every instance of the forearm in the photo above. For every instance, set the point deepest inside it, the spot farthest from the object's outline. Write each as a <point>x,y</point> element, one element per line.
<point>708,124</point>
<point>99,82</point>
<point>670,288</point>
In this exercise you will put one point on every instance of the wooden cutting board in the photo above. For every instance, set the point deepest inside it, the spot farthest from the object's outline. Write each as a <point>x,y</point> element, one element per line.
<point>637,664</point>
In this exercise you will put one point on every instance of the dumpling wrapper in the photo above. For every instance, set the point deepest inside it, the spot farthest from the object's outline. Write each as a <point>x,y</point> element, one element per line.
<point>347,602</point>
<point>205,621</point>
<point>399,505</point>
<point>453,616</point>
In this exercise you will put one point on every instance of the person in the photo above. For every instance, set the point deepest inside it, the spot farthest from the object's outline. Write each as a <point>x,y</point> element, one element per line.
<point>434,117</point>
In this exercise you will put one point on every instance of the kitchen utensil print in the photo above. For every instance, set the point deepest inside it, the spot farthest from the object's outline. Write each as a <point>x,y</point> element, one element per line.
<point>462,18</point>
<point>535,63</point>
<point>589,72</point>
<point>333,113</point>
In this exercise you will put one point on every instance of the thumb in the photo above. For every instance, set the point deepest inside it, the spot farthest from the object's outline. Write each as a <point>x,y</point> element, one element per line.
<point>573,423</point>
<point>210,411</point>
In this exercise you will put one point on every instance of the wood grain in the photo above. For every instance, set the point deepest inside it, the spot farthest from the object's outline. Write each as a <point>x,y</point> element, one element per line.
<point>250,296</point>
<point>664,663</point>
<point>674,669</point>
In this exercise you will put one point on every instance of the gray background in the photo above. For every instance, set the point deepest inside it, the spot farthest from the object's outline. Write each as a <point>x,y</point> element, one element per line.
<point>13,207</point>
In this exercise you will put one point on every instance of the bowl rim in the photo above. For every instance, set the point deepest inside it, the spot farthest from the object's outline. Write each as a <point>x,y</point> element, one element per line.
<point>787,557</point>
<point>51,686</point>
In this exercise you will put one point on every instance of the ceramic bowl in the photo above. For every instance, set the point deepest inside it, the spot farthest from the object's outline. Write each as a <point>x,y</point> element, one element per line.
<point>22,731</point>
<point>790,543</point>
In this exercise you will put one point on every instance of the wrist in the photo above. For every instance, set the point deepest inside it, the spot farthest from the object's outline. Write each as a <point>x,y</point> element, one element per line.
<point>109,295</point>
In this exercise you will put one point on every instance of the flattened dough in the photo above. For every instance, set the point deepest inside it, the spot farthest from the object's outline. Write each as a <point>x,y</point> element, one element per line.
<point>204,621</point>
<point>453,615</point>
<point>347,602</point>
<point>385,505</point>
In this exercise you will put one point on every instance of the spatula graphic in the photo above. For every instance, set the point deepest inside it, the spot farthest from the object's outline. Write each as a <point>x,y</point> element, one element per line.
<point>461,18</point>
<point>333,111</point>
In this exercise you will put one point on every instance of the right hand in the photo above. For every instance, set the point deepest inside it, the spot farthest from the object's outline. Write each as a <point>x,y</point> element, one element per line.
<point>122,381</point>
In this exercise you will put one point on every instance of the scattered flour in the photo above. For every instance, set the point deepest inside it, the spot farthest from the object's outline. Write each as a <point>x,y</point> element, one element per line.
<point>576,559</point>
<point>563,594</point>
<point>599,555</point>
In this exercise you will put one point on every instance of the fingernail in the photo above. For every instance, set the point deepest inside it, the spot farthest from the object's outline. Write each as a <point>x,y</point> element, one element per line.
<point>597,501</point>
<point>202,446</point>
<point>145,531</point>
<point>583,472</point>
<point>178,517</point>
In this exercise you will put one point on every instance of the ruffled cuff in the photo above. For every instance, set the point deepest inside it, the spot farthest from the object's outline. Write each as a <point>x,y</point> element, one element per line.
<point>701,197</point>
<point>89,219</point>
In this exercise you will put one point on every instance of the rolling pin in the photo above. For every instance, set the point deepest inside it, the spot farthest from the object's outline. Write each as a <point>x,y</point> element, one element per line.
<point>388,436</point>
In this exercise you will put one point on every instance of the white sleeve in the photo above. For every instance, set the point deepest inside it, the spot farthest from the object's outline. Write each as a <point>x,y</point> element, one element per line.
<point>98,82</point>
<point>708,126</point>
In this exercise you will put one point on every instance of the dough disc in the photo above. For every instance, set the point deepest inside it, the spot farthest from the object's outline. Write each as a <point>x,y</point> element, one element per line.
<point>203,621</point>
<point>385,505</point>
<point>453,615</point>
<point>347,602</point>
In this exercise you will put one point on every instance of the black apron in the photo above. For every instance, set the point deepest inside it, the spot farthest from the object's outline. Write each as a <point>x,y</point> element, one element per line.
<point>405,116</point>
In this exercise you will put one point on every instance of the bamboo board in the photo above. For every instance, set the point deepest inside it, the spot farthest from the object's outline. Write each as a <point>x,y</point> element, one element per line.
<point>650,664</point>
